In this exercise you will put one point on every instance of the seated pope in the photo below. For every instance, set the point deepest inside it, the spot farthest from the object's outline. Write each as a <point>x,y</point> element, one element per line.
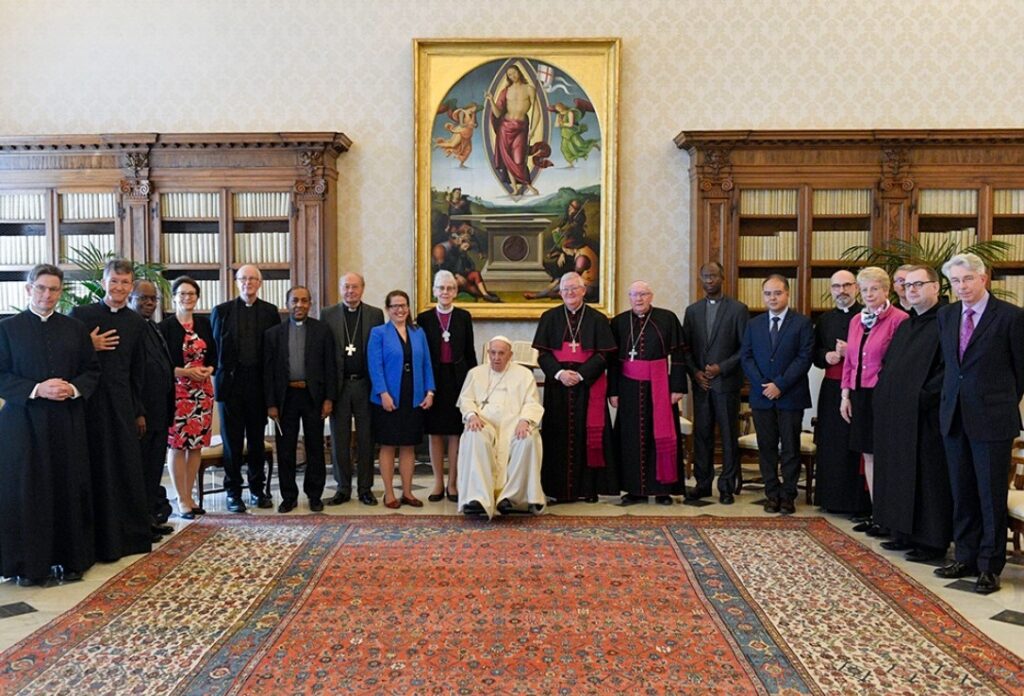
<point>500,449</point>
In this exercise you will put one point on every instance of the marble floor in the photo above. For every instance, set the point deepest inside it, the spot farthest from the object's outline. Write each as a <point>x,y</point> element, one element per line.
<point>48,602</point>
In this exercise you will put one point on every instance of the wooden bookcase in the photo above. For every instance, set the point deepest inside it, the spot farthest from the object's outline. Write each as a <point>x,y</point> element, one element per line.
<point>792,201</point>
<point>200,204</point>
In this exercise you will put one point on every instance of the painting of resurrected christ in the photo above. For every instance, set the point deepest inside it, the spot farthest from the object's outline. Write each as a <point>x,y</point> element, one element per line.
<point>517,176</point>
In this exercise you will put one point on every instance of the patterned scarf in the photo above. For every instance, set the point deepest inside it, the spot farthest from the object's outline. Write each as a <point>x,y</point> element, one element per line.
<point>868,318</point>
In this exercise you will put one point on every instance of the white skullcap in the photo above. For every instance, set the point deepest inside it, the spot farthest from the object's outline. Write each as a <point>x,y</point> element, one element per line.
<point>499,337</point>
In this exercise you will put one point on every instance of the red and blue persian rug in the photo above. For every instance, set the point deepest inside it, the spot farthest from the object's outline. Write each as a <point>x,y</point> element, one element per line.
<point>405,604</point>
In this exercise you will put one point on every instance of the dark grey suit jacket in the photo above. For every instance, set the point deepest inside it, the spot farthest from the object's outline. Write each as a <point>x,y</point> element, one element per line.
<point>721,347</point>
<point>334,317</point>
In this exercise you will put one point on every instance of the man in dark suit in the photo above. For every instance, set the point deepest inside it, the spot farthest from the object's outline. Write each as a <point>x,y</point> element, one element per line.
<point>300,384</point>
<point>713,333</point>
<point>238,329</point>
<point>983,348</point>
<point>157,392</point>
<point>350,321</point>
<point>776,355</point>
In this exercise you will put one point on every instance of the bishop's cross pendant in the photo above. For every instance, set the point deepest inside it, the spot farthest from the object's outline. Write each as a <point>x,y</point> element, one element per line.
<point>446,336</point>
<point>632,355</point>
<point>350,350</point>
<point>574,345</point>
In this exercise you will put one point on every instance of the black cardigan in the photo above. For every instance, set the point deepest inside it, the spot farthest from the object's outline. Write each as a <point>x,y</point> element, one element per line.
<point>174,334</point>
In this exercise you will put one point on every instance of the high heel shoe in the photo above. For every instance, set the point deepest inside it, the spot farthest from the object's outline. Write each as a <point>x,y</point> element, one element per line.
<point>393,504</point>
<point>411,501</point>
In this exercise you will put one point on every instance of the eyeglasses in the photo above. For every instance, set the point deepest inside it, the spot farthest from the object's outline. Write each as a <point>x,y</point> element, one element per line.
<point>43,289</point>
<point>184,293</point>
<point>445,288</point>
<point>641,294</point>
<point>571,288</point>
<point>960,281</point>
<point>918,284</point>
<point>247,279</point>
<point>899,281</point>
<point>398,306</point>
<point>146,298</point>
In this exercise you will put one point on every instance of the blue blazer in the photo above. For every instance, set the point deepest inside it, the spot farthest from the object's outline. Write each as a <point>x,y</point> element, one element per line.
<point>987,385</point>
<point>786,366</point>
<point>384,363</point>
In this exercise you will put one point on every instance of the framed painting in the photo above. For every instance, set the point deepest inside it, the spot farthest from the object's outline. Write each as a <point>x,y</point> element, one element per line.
<point>515,170</point>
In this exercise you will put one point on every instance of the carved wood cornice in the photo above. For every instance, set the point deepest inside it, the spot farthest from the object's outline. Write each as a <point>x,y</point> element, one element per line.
<point>336,143</point>
<point>690,140</point>
<point>311,189</point>
<point>896,168</point>
<point>137,190</point>
<point>714,168</point>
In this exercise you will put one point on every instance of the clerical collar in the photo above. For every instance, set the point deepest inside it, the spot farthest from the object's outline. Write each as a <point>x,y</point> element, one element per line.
<point>247,304</point>
<point>442,310</point>
<point>352,309</point>
<point>844,310</point>
<point>298,323</point>
<point>113,309</point>
<point>710,301</point>
<point>573,311</point>
<point>42,317</point>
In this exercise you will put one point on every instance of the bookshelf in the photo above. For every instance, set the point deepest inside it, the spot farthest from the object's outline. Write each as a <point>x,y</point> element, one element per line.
<point>757,195</point>
<point>199,204</point>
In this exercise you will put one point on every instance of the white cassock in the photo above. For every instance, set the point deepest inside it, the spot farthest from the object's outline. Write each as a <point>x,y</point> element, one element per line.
<point>493,464</point>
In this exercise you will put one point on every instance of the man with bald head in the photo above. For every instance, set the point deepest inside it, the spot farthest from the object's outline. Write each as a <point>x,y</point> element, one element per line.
<point>350,322</point>
<point>839,485</point>
<point>238,328</point>
<point>646,382</point>
<point>500,449</point>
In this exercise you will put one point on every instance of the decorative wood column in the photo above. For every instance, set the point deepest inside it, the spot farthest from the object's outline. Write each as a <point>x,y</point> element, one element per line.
<point>896,191</point>
<point>711,218</point>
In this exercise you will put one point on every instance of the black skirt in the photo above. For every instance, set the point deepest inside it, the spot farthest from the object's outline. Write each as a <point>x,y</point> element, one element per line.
<point>443,417</point>
<point>404,425</point>
<point>862,424</point>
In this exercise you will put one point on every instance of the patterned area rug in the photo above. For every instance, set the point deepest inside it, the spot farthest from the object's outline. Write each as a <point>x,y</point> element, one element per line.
<point>524,605</point>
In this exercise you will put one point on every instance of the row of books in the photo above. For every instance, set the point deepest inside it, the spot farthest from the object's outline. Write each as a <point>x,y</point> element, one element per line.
<point>1016,242</point>
<point>190,206</point>
<point>190,248</point>
<point>748,291</point>
<point>1013,284</point>
<point>13,297</point>
<point>780,246</point>
<point>948,202</point>
<point>270,204</point>
<point>768,202</point>
<point>842,202</point>
<point>262,247</point>
<point>831,244</point>
<point>88,206</point>
<point>964,238</point>
<point>275,290</point>
<point>70,242</point>
<point>22,207</point>
<point>23,250</point>
<point>1008,202</point>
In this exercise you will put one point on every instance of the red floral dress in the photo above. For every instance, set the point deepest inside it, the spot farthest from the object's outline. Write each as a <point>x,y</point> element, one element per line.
<point>193,401</point>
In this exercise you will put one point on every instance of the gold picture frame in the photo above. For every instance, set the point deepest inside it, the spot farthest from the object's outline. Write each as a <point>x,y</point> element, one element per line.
<point>515,155</point>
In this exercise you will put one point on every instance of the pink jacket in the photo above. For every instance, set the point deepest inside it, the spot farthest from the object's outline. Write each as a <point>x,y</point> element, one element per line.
<point>873,351</point>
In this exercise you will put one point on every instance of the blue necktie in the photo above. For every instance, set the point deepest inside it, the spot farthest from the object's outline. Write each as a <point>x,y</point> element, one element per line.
<point>774,333</point>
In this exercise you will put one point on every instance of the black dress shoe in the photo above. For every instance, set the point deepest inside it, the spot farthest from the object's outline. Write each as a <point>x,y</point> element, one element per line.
<point>772,505</point>
<point>262,501</point>
<point>726,498</point>
<point>316,505</point>
<point>367,498</point>
<point>858,519</point>
<point>987,583</point>
<point>628,499</point>
<point>863,526</point>
<point>162,529</point>
<point>22,581</point>
<point>156,538</point>
<point>922,555</point>
<point>956,569</point>
<point>339,498</point>
<point>286,506</point>
<point>70,576</point>
<point>504,506</point>
<point>663,499</point>
<point>235,504</point>
<point>787,507</point>
<point>436,497</point>
<point>452,497</point>
<point>878,531</point>
<point>896,545</point>
<point>473,508</point>
<point>697,493</point>
<point>591,499</point>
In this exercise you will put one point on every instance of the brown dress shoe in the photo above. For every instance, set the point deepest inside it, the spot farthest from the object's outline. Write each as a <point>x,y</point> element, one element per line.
<point>771,505</point>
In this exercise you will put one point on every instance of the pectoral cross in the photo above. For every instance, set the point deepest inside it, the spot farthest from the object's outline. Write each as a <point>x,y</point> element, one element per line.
<point>350,350</point>
<point>632,355</point>
<point>446,336</point>
<point>574,345</point>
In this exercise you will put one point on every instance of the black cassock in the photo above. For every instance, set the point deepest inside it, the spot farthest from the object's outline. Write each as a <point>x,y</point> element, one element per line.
<point>120,503</point>
<point>839,485</point>
<point>912,492</point>
<point>566,472</point>
<point>45,491</point>
<point>634,427</point>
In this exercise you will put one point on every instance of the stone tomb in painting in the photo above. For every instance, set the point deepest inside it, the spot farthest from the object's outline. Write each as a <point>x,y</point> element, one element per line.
<point>515,249</point>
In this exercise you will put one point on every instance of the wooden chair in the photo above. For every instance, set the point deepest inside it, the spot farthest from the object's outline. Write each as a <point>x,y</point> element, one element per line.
<point>213,457</point>
<point>749,453</point>
<point>1015,503</point>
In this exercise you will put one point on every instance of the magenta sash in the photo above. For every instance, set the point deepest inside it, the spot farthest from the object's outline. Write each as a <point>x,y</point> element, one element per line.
<point>656,372</point>
<point>595,405</point>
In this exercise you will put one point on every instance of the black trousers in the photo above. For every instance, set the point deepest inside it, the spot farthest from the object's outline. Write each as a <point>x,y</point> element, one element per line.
<point>711,408</point>
<point>243,418</point>
<point>299,407</point>
<point>153,451</point>
<point>979,476</point>
<point>353,402</point>
<point>778,443</point>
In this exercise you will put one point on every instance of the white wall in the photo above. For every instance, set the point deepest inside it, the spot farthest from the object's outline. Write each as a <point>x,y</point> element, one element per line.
<point>68,66</point>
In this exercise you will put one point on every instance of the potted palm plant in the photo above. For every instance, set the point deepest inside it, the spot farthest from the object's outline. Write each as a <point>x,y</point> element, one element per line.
<point>87,288</point>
